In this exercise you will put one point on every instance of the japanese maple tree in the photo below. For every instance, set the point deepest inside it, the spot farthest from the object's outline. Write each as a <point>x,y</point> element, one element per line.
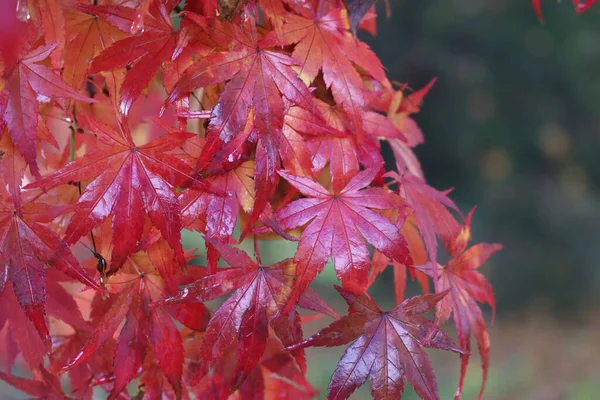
<point>125,122</point>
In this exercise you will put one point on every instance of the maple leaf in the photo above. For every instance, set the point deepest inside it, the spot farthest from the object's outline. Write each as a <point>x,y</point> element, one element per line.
<point>146,328</point>
<point>337,150</point>
<point>129,182</point>
<point>26,247</point>
<point>466,287</point>
<point>388,347</point>
<point>18,333</point>
<point>418,255</point>
<point>337,224</point>
<point>322,43</point>
<point>399,108</point>
<point>216,216</point>
<point>259,81</point>
<point>259,297</point>
<point>87,35</point>
<point>145,53</point>
<point>24,82</point>
<point>277,376</point>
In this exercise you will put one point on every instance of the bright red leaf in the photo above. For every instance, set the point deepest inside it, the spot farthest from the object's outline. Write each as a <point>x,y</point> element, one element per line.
<point>24,82</point>
<point>259,81</point>
<point>337,223</point>
<point>466,287</point>
<point>144,54</point>
<point>129,182</point>
<point>27,245</point>
<point>260,293</point>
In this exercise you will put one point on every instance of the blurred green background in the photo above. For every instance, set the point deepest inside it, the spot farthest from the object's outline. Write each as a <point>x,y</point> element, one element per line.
<point>513,124</point>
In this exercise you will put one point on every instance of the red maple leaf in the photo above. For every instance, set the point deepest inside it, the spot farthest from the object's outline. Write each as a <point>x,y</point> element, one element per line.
<point>46,387</point>
<point>466,287</point>
<point>431,209</point>
<point>388,347</point>
<point>129,182</point>
<point>337,224</point>
<point>260,293</point>
<point>50,16</point>
<point>324,43</point>
<point>216,216</point>
<point>27,245</point>
<point>259,82</point>
<point>19,100</point>
<point>145,53</point>
<point>147,329</point>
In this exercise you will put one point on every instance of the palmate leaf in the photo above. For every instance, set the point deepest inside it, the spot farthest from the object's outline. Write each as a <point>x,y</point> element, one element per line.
<point>259,295</point>
<point>323,43</point>
<point>19,104</point>
<point>87,35</point>
<point>466,287</point>
<point>267,89</point>
<point>149,334</point>
<point>259,80</point>
<point>129,182</point>
<point>145,53</point>
<point>337,223</point>
<point>27,245</point>
<point>387,347</point>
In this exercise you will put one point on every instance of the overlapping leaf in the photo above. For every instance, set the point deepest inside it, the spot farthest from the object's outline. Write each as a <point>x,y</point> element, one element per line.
<point>129,182</point>
<point>466,287</point>
<point>145,53</point>
<point>337,223</point>
<point>387,347</point>
<point>146,327</point>
<point>26,247</point>
<point>323,44</point>
<point>259,81</point>
<point>24,83</point>
<point>260,294</point>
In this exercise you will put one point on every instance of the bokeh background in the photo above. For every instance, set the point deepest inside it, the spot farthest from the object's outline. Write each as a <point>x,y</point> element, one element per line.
<point>513,125</point>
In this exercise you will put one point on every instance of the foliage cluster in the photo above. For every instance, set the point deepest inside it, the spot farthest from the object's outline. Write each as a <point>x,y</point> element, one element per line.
<point>126,121</point>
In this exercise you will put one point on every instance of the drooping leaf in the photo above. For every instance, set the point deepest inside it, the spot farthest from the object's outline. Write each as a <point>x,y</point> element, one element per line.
<point>26,247</point>
<point>431,211</point>
<point>387,347</point>
<point>466,287</point>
